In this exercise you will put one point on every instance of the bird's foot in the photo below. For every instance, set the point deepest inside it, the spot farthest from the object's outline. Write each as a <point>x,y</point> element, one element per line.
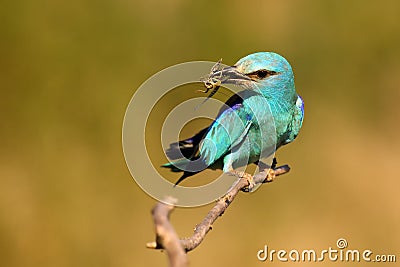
<point>265,176</point>
<point>246,176</point>
<point>270,176</point>
<point>250,180</point>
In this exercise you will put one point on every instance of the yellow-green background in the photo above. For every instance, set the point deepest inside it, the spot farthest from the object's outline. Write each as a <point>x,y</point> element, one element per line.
<point>69,68</point>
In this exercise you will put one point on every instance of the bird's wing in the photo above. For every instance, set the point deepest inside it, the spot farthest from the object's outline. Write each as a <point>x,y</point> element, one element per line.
<point>187,148</point>
<point>227,131</point>
<point>296,121</point>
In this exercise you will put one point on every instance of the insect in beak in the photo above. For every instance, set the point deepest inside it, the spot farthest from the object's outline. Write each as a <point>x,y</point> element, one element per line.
<point>213,80</point>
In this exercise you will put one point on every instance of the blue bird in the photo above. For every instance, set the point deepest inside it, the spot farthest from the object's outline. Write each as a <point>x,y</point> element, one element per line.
<point>253,124</point>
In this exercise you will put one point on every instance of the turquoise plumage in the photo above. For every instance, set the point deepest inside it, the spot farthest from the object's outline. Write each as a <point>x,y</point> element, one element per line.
<point>266,115</point>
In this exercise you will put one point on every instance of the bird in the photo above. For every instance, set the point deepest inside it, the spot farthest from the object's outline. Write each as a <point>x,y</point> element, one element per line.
<point>266,115</point>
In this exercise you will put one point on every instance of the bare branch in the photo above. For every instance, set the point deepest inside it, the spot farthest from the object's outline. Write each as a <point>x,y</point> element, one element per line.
<point>219,208</point>
<point>166,237</point>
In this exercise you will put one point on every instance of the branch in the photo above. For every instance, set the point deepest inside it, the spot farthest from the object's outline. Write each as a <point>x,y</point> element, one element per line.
<point>222,204</point>
<point>166,237</point>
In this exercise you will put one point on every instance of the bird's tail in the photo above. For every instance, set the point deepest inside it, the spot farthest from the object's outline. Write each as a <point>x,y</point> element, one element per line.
<point>176,166</point>
<point>186,148</point>
<point>188,167</point>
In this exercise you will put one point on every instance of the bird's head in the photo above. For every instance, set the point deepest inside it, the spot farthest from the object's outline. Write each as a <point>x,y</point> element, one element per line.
<point>267,72</point>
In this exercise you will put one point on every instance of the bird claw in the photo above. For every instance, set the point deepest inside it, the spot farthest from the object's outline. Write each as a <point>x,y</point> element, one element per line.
<point>251,185</point>
<point>266,176</point>
<point>248,177</point>
<point>270,176</point>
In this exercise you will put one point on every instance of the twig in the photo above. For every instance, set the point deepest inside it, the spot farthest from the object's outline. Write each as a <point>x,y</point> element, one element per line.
<point>166,237</point>
<point>222,204</point>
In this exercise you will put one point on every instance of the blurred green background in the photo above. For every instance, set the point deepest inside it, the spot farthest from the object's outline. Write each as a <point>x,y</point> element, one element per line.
<point>69,68</point>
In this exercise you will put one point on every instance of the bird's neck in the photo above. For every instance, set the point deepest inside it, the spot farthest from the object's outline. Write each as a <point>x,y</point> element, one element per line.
<point>279,94</point>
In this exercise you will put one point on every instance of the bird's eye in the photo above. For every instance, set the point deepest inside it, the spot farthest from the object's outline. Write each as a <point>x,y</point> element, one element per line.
<point>261,74</point>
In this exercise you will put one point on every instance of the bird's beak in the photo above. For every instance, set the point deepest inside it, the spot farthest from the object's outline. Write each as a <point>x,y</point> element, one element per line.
<point>230,75</point>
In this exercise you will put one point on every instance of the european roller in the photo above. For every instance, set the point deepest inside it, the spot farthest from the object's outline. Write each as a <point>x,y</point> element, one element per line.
<point>254,123</point>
